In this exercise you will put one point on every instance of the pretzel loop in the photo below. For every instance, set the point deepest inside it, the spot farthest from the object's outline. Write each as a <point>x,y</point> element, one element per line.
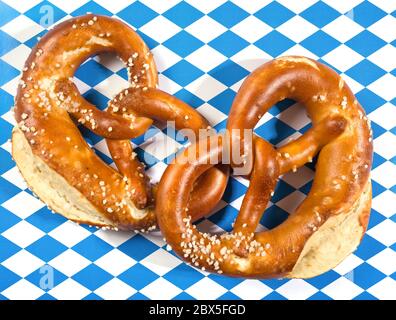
<point>327,225</point>
<point>53,156</point>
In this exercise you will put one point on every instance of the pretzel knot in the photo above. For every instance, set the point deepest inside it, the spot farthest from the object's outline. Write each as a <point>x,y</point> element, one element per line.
<point>327,225</point>
<point>51,153</point>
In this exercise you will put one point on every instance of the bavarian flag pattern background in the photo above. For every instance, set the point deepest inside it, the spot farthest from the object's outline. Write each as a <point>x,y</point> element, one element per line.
<point>204,49</point>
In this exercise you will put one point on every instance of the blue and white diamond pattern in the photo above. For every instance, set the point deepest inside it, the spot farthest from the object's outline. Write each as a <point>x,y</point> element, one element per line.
<point>204,50</point>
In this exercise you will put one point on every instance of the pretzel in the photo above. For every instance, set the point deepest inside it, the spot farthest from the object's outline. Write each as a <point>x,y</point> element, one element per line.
<point>50,151</point>
<point>327,225</point>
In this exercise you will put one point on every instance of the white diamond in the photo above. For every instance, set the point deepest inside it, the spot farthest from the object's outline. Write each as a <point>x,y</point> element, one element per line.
<point>382,143</point>
<point>384,203</point>
<point>114,238</point>
<point>168,85</point>
<point>23,290</point>
<point>70,5</point>
<point>206,58</point>
<point>297,6</point>
<point>112,86</point>
<point>160,289</point>
<point>384,86</point>
<point>69,233</point>
<point>384,28</point>
<point>295,116</point>
<point>298,50</point>
<point>22,28</point>
<point>251,58</point>
<point>206,87</point>
<point>69,290</point>
<point>69,262</point>
<point>23,263</point>
<point>9,117</point>
<point>81,86</point>
<point>352,84</point>
<point>206,289</point>
<point>160,146</point>
<point>251,29</point>
<point>110,61</point>
<point>384,290</point>
<point>343,29</point>
<point>385,261</point>
<point>297,289</point>
<point>384,57</point>
<point>14,176</point>
<point>385,232</point>
<point>206,29</point>
<point>22,6</point>
<point>113,6</point>
<point>115,262</point>
<point>385,174</point>
<point>115,289</point>
<point>12,86</point>
<point>299,178</point>
<point>291,202</point>
<point>342,289</point>
<point>213,115</point>
<point>164,58</point>
<point>251,290</point>
<point>343,58</point>
<point>384,116</point>
<point>155,172</point>
<point>343,6</point>
<point>387,6</point>
<point>158,5</point>
<point>23,234</point>
<point>297,29</point>
<point>160,262</point>
<point>168,29</point>
<point>23,205</point>
<point>251,6</point>
<point>102,147</point>
<point>348,264</point>
<point>206,6</point>
<point>17,57</point>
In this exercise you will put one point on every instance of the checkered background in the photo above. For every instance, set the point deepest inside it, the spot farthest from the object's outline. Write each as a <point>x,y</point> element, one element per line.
<point>204,50</point>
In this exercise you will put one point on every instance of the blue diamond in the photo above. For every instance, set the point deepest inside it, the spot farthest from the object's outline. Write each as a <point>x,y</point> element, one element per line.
<point>369,247</point>
<point>150,42</point>
<point>8,190</point>
<point>225,217</point>
<point>365,72</point>
<point>145,247</point>
<point>282,190</point>
<point>92,248</point>
<point>96,98</point>
<point>273,217</point>
<point>320,43</point>
<point>226,282</point>
<point>366,43</point>
<point>7,278</point>
<point>7,14</point>
<point>319,296</point>
<point>274,43</point>
<point>228,14</point>
<point>183,14</point>
<point>92,277</point>
<point>320,14</point>
<point>365,296</point>
<point>183,276</point>
<point>366,14</point>
<point>183,73</point>
<point>234,190</point>
<point>274,296</point>
<point>137,14</point>
<point>46,248</point>
<point>274,14</point>
<point>228,43</point>
<point>228,73</point>
<point>369,100</point>
<point>45,220</point>
<point>183,43</point>
<point>7,220</point>
<point>229,296</point>
<point>42,274</point>
<point>91,6</point>
<point>138,276</point>
<point>324,279</point>
<point>189,98</point>
<point>183,296</point>
<point>93,73</point>
<point>274,131</point>
<point>7,44</point>
<point>223,101</point>
<point>8,249</point>
<point>366,276</point>
<point>45,14</point>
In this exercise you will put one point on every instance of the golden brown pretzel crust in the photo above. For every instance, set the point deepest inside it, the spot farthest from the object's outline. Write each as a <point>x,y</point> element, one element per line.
<point>47,99</point>
<point>327,225</point>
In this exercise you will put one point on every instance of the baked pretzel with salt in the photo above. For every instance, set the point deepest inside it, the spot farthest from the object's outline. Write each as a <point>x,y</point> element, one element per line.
<point>50,151</point>
<point>327,226</point>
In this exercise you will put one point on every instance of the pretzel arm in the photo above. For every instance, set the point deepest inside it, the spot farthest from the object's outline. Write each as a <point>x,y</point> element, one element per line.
<point>300,151</point>
<point>138,184</point>
<point>102,123</point>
